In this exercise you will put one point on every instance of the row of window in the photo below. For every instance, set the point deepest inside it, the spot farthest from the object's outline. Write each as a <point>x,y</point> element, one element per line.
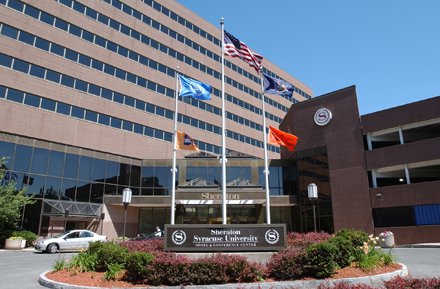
<point>111,46</point>
<point>166,30</point>
<point>43,44</point>
<point>109,69</point>
<point>58,175</point>
<point>38,71</point>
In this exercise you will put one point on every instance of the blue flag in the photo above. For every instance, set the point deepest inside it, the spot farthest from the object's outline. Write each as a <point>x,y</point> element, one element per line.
<point>194,88</point>
<point>277,86</point>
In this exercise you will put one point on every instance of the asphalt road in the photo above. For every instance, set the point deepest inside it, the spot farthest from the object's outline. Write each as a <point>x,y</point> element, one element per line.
<point>21,269</point>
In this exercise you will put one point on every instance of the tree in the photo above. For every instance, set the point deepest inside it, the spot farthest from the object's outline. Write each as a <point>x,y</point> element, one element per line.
<point>12,202</point>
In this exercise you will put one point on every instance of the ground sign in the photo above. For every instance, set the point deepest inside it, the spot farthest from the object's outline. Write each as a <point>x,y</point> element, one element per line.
<point>225,238</point>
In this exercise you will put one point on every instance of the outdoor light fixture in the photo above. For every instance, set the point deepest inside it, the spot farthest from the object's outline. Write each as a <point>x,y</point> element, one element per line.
<point>312,191</point>
<point>126,200</point>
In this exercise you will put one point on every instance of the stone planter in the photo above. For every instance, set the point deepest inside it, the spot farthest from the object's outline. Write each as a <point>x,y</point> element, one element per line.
<point>15,244</point>
<point>387,241</point>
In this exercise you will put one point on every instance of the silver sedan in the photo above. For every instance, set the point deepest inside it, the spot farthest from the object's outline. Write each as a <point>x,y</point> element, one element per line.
<point>73,240</point>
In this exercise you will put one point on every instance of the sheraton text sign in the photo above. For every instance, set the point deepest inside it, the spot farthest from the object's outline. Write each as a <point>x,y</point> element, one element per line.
<point>224,238</point>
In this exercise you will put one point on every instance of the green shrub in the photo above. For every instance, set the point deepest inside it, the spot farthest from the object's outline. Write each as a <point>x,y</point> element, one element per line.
<point>60,264</point>
<point>84,262</point>
<point>107,252</point>
<point>321,260</point>
<point>136,265</point>
<point>29,236</point>
<point>288,264</point>
<point>345,251</point>
<point>113,271</point>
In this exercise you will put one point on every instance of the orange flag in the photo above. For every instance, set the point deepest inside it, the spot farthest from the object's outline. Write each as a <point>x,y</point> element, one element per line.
<point>185,142</point>
<point>278,137</point>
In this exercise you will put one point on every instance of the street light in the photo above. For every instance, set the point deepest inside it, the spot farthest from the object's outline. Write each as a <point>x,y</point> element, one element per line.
<point>312,190</point>
<point>126,200</point>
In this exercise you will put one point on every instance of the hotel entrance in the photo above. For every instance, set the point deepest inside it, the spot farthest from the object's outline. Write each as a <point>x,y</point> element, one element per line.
<point>212,214</point>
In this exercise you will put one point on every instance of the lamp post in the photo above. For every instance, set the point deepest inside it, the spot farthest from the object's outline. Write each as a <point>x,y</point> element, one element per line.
<point>66,214</point>
<point>126,200</point>
<point>312,191</point>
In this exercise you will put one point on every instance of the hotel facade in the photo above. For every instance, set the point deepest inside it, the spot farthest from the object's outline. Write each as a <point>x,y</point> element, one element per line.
<point>87,102</point>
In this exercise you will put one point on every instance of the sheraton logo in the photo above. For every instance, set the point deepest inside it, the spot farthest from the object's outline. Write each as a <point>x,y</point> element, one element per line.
<point>322,116</point>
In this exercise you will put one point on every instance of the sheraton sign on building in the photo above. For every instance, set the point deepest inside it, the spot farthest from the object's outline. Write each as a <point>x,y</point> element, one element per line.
<point>224,238</point>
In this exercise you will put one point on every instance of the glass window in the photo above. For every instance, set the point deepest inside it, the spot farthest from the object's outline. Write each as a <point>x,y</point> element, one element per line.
<point>112,46</point>
<point>53,188</point>
<point>107,94</point>
<point>97,193</point>
<point>125,30</point>
<point>5,60</point>
<point>9,31</point>
<point>26,38</point>
<point>81,85</point>
<point>85,168</point>
<point>115,122</point>
<point>61,24</point>
<point>148,131</point>
<point>140,104</point>
<point>67,80</point>
<point>39,161</point>
<point>31,11</point>
<point>47,18</point>
<point>75,30</point>
<point>98,174</point>
<point>118,97</point>
<point>104,119</point>
<point>127,125</point>
<point>109,69</point>
<point>22,158</point>
<point>131,77</point>
<point>112,172</point>
<point>85,60</point>
<point>36,185</point>
<point>57,49</point>
<point>56,163</point>
<point>7,151</point>
<point>68,189</point>
<point>138,128</point>
<point>53,76</point>
<point>121,74</point>
<point>63,108</point>
<point>79,7</point>
<point>94,89</point>
<point>103,19</point>
<point>48,104</point>
<point>21,65</point>
<point>42,44</point>
<point>86,35</point>
<point>37,71</point>
<point>91,116</point>
<point>100,41</point>
<point>71,166</point>
<point>78,112</point>
<point>15,95</point>
<point>98,65</point>
<point>72,55</point>
<point>32,100</point>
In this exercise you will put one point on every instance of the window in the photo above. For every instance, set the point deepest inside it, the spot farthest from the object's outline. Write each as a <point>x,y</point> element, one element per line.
<point>37,71</point>
<point>48,104</point>
<point>5,60</point>
<point>67,80</point>
<point>104,119</point>
<point>115,122</point>
<point>77,112</point>
<point>32,100</point>
<point>26,38</point>
<point>57,49</point>
<point>53,76</point>
<point>15,95</point>
<point>20,65</point>
<point>63,108</point>
<point>91,116</point>
<point>9,31</point>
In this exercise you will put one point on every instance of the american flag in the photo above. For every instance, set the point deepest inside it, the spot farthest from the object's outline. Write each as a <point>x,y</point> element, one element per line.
<point>236,48</point>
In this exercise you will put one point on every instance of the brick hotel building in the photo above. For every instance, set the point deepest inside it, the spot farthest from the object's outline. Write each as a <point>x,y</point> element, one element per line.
<point>87,103</point>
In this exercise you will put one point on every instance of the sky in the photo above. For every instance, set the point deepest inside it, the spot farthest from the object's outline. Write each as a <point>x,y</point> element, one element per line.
<point>388,49</point>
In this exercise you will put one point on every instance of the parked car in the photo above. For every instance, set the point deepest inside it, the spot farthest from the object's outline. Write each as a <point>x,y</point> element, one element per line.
<point>150,236</point>
<point>69,241</point>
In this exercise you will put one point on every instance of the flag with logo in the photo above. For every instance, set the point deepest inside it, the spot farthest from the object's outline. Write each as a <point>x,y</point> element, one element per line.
<point>194,88</point>
<point>277,86</point>
<point>235,48</point>
<point>278,137</point>
<point>185,142</point>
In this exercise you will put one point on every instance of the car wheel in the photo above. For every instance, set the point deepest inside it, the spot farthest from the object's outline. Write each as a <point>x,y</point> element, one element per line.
<point>52,248</point>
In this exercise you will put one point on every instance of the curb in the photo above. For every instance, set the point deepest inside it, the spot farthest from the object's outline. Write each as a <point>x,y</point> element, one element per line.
<point>374,280</point>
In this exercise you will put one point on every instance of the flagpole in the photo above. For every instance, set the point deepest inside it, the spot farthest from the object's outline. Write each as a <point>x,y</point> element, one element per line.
<point>266,167</point>
<point>174,168</point>
<point>223,159</point>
